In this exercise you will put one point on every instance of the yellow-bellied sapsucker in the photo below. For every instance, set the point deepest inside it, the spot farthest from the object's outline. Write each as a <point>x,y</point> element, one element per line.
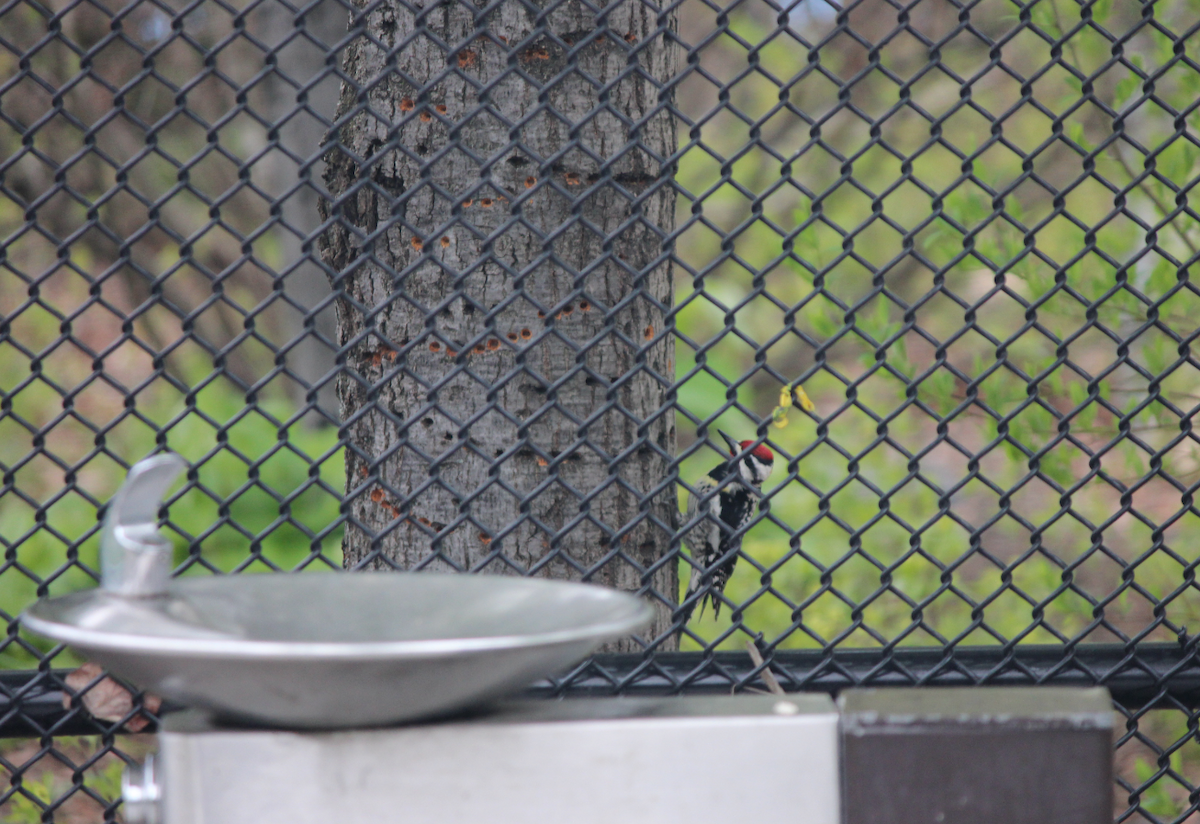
<point>716,539</point>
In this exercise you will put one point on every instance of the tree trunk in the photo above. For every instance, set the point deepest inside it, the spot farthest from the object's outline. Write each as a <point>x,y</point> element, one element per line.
<point>501,207</point>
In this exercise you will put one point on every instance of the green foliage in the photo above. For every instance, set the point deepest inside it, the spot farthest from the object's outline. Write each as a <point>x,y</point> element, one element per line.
<point>268,492</point>
<point>38,793</point>
<point>1016,360</point>
<point>1156,799</point>
<point>105,779</point>
<point>48,781</point>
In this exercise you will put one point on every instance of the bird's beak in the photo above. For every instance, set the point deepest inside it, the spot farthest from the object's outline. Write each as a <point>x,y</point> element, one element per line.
<point>734,447</point>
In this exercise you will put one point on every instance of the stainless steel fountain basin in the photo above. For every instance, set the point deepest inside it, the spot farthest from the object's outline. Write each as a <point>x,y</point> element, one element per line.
<point>339,650</point>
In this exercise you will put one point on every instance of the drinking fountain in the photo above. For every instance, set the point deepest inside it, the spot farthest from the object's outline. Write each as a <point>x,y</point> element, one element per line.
<point>318,650</point>
<point>361,697</point>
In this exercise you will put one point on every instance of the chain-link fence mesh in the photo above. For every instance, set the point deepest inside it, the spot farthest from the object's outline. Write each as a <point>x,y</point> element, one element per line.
<point>472,286</point>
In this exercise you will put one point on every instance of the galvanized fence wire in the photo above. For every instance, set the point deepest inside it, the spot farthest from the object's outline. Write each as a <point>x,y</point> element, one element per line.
<point>471,287</point>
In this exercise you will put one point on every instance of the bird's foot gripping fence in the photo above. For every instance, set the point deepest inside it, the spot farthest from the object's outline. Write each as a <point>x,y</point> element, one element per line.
<point>470,286</point>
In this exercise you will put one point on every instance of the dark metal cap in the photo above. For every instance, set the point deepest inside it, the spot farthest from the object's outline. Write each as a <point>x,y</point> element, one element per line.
<point>1026,708</point>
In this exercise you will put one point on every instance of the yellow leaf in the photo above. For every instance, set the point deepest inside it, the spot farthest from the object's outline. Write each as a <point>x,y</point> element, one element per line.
<point>803,401</point>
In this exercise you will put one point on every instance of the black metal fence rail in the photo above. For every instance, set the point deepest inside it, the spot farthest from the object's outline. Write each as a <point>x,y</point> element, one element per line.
<point>1155,676</point>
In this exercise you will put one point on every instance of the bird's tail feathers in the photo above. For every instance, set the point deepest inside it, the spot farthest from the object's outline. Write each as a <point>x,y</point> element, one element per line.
<point>694,584</point>
<point>711,596</point>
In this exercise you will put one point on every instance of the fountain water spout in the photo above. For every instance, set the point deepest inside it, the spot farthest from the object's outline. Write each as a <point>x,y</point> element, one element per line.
<point>135,558</point>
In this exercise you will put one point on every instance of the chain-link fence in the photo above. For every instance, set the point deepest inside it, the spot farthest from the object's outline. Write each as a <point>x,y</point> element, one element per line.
<point>472,286</point>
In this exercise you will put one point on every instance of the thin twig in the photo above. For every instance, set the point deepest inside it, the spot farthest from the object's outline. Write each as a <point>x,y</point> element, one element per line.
<point>768,677</point>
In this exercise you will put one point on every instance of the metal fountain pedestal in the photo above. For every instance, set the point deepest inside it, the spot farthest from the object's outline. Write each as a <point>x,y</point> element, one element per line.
<point>584,761</point>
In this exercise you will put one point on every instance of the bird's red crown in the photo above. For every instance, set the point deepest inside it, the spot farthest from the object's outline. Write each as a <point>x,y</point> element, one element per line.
<point>761,452</point>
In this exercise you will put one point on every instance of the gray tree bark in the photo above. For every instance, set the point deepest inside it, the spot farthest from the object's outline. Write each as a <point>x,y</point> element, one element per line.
<point>501,211</point>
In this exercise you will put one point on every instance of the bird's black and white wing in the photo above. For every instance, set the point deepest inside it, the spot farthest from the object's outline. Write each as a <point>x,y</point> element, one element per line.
<point>704,537</point>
